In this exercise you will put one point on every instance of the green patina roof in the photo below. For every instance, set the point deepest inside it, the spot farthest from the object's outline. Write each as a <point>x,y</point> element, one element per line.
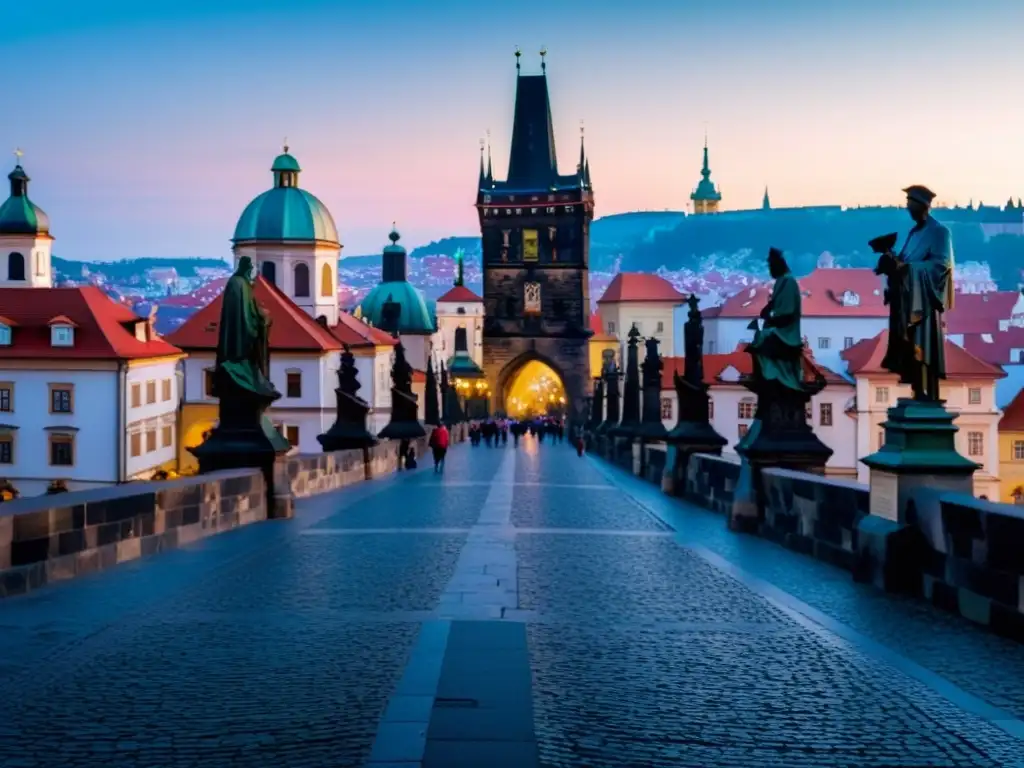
<point>414,317</point>
<point>18,214</point>
<point>463,366</point>
<point>705,187</point>
<point>286,212</point>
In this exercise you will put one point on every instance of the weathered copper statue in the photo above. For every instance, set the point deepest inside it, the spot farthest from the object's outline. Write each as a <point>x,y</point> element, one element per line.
<point>920,290</point>
<point>777,348</point>
<point>243,351</point>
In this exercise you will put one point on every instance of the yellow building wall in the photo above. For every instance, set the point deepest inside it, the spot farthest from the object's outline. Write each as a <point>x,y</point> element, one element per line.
<point>196,419</point>
<point>597,349</point>
<point>1011,471</point>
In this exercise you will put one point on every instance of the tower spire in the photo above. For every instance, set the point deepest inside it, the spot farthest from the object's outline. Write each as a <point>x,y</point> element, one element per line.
<point>583,154</point>
<point>519,54</point>
<point>490,169</point>
<point>543,62</point>
<point>483,179</point>
<point>766,203</point>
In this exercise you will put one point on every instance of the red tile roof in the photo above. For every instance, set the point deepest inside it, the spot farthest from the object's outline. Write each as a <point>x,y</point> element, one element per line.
<point>996,348</point>
<point>1013,415</point>
<point>822,295</point>
<point>980,312</point>
<point>599,334</point>
<point>460,294</point>
<point>104,329</point>
<point>715,365</point>
<point>640,286</point>
<point>418,376</point>
<point>354,332</point>
<point>292,330</point>
<point>866,356</point>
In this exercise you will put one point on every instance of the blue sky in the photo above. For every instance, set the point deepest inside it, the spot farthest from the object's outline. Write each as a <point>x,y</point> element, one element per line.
<point>148,126</point>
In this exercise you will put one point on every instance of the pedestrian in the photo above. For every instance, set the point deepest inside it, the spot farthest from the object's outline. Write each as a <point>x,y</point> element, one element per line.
<point>410,458</point>
<point>439,439</point>
<point>580,445</point>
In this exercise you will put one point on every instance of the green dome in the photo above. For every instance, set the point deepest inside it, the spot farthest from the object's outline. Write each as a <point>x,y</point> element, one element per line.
<point>414,317</point>
<point>286,212</point>
<point>18,214</point>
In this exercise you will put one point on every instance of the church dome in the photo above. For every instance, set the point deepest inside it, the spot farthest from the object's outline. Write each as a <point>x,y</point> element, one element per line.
<point>18,214</point>
<point>286,212</point>
<point>396,294</point>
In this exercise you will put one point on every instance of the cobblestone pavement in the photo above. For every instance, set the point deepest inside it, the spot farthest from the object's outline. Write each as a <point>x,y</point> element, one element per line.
<point>528,608</point>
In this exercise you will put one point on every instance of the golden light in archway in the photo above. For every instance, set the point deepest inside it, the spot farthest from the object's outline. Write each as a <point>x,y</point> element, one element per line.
<point>536,390</point>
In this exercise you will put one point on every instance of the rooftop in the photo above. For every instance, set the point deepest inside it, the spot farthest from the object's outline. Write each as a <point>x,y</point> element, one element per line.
<point>826,292</point>
<point>1013,415</point>
<point>740,361</point>
<point>103,329</point>
<point>598,330</point>
<point>640,286</point>
<point>460,294</point>
<point>865,357</point>
<point>981,312</point>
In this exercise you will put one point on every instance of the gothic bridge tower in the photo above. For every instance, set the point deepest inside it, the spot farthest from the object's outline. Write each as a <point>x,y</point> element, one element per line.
<point>535,227</point>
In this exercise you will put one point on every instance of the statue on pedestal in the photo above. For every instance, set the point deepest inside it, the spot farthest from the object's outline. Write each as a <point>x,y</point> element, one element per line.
<point>244,436</point>
<point>596,405</point>
<point>610,375</point>
<point>404,424</point>
<point>432,411</point>
<point>651,425</point>
<point>349,428</point>
<point>631,396</point>
<point>693,432</point>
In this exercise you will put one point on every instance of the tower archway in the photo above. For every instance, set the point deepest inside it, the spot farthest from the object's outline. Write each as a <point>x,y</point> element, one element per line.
<point>533,389</point>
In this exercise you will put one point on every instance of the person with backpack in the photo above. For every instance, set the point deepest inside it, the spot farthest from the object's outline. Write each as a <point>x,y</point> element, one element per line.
<point>439,440</point>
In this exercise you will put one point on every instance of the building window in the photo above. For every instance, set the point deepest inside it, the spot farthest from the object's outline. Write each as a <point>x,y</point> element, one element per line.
<point>974,396</point>
<point>881,438</point>
<point>825,414</point>
<point>293,384</point>
<point>150,392</point>
<point>611,328</point>
<point>847,342</point>
<point>531,249</point>
<point>208,382</point>
<point>823,342</point>
<point>660,328</point>
<point>531,298</point>
<point>136,395</point>
<point>150,439</point>
<point>61,400</point>
<point>326,281</point>
<point>742,430</point>
<point>666,408</point>
<point>16,267</point>
<point>5,335</point>
<point>165,390</point>
<point>1018,450</point>
<point>291,432</point>
<point>711,408</point>
<point>166,436</point>
<point>808,413</point>
<point>746,409</point>
<point>301,281</point>
<point>269,271</point>
<point>6,397</point>
<point>882,395</point>
<point>135,444</point>
<point>6,449</point>
<point>975,444</point>
<point>62,336</point>
<point>62,450</point>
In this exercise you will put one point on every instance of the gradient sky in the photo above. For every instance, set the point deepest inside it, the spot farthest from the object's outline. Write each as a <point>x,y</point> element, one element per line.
<point>148,125</point>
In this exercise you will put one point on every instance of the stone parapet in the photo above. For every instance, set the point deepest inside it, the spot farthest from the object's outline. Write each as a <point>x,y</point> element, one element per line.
<point>53,538</point>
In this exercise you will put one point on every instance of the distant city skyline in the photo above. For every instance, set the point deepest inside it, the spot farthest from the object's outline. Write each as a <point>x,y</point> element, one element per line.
<point>146,130</point>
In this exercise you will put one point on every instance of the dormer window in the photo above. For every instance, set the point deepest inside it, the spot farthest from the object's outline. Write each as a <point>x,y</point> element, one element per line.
<point>62,332</point>
<point>850,299</point>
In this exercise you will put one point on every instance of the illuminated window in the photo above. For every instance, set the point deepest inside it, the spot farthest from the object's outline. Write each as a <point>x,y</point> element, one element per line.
<point>292,434</point>
<point>530,245</point>
<point>531,298</point>
<point>326,281</point>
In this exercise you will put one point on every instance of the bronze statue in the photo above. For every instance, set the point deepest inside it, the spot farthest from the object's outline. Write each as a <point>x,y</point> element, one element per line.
<point>920,290</point>
<point>243,343</point>
<point>693,343</point>
<point>777,348</point>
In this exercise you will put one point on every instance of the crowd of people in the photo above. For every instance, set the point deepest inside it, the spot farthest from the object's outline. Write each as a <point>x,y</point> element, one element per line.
<point>495,432</point>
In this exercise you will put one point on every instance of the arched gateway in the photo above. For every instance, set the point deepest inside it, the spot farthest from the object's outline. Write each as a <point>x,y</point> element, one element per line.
<point>535,232</point>
<point>530,388</point>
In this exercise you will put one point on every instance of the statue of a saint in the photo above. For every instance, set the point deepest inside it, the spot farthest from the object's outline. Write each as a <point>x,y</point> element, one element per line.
<point>920,290</point>
<point>777,348</point>
<point>693,340</point>
<point>243,351</point>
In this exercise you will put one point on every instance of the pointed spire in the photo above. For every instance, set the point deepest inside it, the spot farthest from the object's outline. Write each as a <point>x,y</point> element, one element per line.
<point>490,168</point>
<point>543,62</point>
<point>705,170</point>
<point>519,54</point>
<point>459,272</point>
<point>583,153</point>
<point>483,178</point>
<point>766,203</point>
<point>586,175</point>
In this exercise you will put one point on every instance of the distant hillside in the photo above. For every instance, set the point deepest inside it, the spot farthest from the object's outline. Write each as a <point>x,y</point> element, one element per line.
<point>124,270</point>
<point>740,241</point>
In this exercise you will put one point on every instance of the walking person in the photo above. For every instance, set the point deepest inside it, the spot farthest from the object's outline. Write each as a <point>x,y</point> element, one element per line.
<point>439,440</point>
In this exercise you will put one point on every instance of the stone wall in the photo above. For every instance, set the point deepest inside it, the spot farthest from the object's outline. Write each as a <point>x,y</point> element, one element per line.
<point>52,538</point>
<point>960,553</point>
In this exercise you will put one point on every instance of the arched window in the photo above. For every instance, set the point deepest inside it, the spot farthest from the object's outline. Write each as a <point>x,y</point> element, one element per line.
<point>301,280</point>
<point>269,271</point>
<point>15,267</point>
<point>326,281</point>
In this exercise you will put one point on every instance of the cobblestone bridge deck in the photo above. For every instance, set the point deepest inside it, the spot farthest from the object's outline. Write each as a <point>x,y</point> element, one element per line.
<point>528,608</point>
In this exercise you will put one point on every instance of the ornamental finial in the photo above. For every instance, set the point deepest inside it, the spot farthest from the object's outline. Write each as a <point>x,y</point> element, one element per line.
<point>543,63</point>
<point>286,145</point>
<point>519,53</point>
<point>18,154</point>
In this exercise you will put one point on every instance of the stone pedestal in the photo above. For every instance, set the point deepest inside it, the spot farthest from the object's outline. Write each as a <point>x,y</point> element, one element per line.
<point>919,452</point>
<point>243,437</point>
<point>779,437</point>
<point>684,440</point>
<point>404,424</point>
<point>349,428</point>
